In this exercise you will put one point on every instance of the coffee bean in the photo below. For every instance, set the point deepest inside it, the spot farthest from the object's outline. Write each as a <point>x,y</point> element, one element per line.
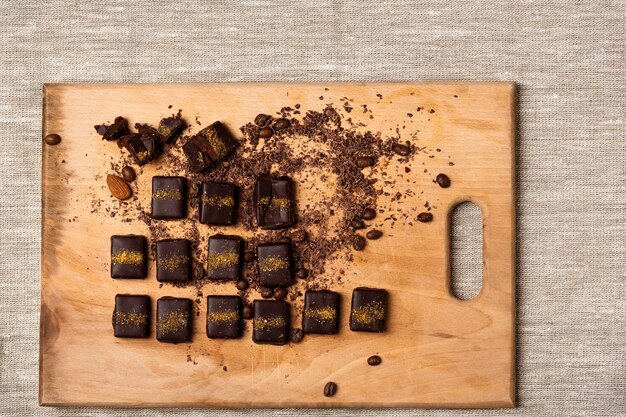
<point>197,270</point>
<point>267,292</point>
<point>357,224</point>
<point>248,256</point>
<point>52,139</point>
<point>302,273</point>
<point>400,149</point>
<point>280,293</point>
<point>368,214</point>
<point>374,360</point>
<point>425,217</point>
<point>281,124</point>
<point>242,285</point>
<point>358,243</point>
<point>128,173</point>
<point>247,312</point>
<point>364,161</point>
<point>262,119</point>
<point>443,180</point>
<point>298,235</point>
<point>296,335</point>
<point>373,234</point>
<point>330,389</point>
<point>266,133</point>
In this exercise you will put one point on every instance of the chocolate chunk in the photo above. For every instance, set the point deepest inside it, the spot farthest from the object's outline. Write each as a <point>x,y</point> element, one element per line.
<point>224,260</point>
<point>128,256</point>
<point>147,130</point>
<point>173,259</point>
<point>369,308</point>
<point>217,204</point>
<point>52,139</point>
<point>170,128</point>
<point>274,264</point>
<point>321,312</point>
<point>210,145</point>
<point>443,180</point>
<point>128,173</point>
<point>223,318</point>
<point>131,316</point>
<point>168,197</point>
<point>143,149</point>
<point>173,320</point>
<point>271,322</point>
<point>274,202</point>
<point>115,131</point>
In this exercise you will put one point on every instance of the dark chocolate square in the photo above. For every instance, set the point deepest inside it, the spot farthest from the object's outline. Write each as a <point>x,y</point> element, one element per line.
<point>128,256</point>
<point>223,319</point>
<point>173,259</point>
<point>274,264</point>
<point>131,317</point>
<point>170,128</point>
<point>217,203</point>
<point>274,201</point>
<point>321,312</point>
<point>271,322</point>
<point>369,309</point>
<point>173,320</point>
<point>169,197</point>
<point>211,144</point>
<point>224,259</point>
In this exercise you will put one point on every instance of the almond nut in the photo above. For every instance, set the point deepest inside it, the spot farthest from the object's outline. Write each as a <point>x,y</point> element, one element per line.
<point>119,189</point>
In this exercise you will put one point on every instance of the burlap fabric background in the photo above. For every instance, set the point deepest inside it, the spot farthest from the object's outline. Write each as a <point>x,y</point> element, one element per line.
<point>567,56</point>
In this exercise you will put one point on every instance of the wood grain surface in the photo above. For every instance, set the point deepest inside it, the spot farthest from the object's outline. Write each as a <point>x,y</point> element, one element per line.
<point>438,351</point>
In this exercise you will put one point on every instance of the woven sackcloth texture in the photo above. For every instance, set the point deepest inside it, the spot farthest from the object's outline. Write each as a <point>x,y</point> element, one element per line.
<point>566,56</point>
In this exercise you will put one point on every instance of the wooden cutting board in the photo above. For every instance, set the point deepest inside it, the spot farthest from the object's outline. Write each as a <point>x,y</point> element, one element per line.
<point>438,351</point>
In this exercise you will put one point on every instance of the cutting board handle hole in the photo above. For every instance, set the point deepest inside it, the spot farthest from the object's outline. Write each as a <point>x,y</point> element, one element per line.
<point>466,250</point>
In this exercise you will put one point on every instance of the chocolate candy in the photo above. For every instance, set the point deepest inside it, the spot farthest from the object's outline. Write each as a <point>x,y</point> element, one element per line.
<point>131,316</point>
<point>210,145</point>
<point>369,308</point>
<point>271,322</point>
<point>274,202</point>
<point>223,318</point>
<point>128,256</point>
<point>224,258</point>
<point>274,264</point>
<point>168,197</point>
<point>143,149</point>
<point>321,312</point>
<point>173,320</point>
<point>115,131</point>
<point>170,128</point>
<point>217,203</point>
<point>173,259</point>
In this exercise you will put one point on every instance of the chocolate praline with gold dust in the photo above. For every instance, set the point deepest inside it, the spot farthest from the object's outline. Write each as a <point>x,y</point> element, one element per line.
<point>224,317</point>
<point>369,309</point>
<point>271,322</point>
<point>169,197</point>
<point>128,256</point>
<point>321,312</point>
<point>274,264</point>
<point>173,260</point>
<point>131,316</point>
<point>217,203</point>
<point>174,320</point>
<point>210,145</point>
<point>224,258</point>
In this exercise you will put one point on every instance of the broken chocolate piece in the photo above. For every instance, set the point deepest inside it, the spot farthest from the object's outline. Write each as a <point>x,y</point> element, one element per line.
<point>168,197</point>
<point>224,258</point>
<point>271,322</point>
<point>173,320</point>
<point>223,318</point>
<point>170,128</point>
<point>321,312</point>
<point>274,264</point>
<point>115,131</point>
<point>128,256</point>
<point>274,202</point>
<point>211,144</point>
<point>143,149</point>
<point>217,204</point>
<point>173,259</point>
<point>131,316</point>
<point>369,309</point>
